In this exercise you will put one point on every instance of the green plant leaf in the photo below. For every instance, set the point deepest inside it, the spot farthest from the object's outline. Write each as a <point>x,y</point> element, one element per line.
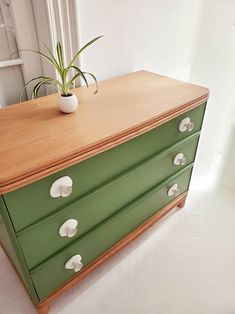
<point>63,84</point>
<point>65,74</point>
<point>95,80</point>
<point>41,55</point>
<point>60,55</point>
<point>34,79</point>
<point>52,56</point>
<point>70,83</point>
<point>39,84</point>
<point>80,72</point>
<point>44,78</point>
<point>83,48</point>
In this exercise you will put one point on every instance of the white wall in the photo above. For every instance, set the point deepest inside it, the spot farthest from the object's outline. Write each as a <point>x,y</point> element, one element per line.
<point>155,35</point>
<point>214,66</point>
<point>190,40</point>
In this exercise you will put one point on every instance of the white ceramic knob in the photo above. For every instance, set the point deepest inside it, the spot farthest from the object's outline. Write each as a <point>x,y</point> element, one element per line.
<point>62,187</point>
<point>186,125</point>
<point>173,190</point>
<point>180,159</point>
<point>74,263</point>
<point>69,228</point>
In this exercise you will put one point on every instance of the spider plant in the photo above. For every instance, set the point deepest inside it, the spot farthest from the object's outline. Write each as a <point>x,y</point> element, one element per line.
<point>67,74</point>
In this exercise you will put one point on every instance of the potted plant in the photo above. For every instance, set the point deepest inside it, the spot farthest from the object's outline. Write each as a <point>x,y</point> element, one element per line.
<point>67,75</point>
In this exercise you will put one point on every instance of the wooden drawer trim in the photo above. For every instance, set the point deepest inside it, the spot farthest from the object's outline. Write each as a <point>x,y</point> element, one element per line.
<point>8,185</point>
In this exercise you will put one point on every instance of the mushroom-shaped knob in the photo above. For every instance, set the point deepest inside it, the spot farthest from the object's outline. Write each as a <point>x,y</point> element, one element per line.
<point>62,187</point>
<point>180,159</point>
<point>74,263</point>
<point>186,125</point>
<point>68,228</point>
<point>173,190</point>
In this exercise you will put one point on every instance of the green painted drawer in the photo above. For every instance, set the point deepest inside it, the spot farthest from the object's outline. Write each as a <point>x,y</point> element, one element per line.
<point>33,202</point>
<point>40,241</point>
<point>52,273</point>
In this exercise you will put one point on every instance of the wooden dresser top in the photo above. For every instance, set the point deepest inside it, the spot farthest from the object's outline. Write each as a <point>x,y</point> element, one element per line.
<point>38,140</point>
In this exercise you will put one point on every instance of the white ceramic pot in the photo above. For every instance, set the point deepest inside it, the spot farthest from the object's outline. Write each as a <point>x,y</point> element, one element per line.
<point>67,104</point>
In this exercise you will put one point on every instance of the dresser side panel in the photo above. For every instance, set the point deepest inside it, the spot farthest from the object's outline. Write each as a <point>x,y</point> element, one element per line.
<point>13,251</point>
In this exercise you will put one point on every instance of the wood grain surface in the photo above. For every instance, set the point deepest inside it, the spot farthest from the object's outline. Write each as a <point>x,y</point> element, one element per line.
<point>38,140</point>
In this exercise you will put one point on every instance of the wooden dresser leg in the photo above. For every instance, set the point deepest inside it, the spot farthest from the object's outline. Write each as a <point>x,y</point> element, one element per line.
<point>182,203</point>
<point>43,309</point>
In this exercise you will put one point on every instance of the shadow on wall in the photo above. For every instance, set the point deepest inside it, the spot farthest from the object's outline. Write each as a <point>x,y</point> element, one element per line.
<point>227,174</point>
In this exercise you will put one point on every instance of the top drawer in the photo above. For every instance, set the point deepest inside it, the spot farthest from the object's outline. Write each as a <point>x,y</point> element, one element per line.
<point>33,202</point>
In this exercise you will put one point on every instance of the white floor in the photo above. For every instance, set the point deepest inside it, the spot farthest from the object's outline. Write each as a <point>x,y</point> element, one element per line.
<point>183,265</point>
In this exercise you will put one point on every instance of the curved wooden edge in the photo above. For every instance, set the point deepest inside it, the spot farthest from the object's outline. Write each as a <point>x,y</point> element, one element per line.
<point>43,306</point>
<point>99,147</point>
<point>182,203</point>
<point>42,309</point>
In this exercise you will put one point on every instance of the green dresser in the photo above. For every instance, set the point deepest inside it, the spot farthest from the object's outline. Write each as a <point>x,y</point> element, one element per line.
<point>87,190</point>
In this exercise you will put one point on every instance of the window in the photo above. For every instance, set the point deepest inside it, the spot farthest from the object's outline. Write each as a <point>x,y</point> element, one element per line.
<point>7,32</point>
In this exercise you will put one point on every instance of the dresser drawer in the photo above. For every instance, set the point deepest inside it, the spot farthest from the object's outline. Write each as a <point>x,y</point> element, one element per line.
<point>33,202</point>
<point>43,239</point>
<point>52,273</point>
